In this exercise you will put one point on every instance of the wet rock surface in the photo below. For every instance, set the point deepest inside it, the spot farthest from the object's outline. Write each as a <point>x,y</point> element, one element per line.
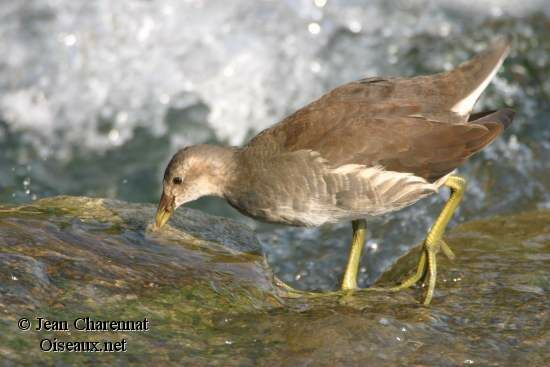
<point>208,294</point>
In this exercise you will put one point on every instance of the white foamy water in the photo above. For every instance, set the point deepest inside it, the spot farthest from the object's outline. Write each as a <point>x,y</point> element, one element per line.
<point>87,73</point>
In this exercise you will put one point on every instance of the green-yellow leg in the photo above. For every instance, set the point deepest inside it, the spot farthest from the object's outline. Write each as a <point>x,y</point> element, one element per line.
<point>352,269</point>
<point>358,241</point>
<point>427,263</point>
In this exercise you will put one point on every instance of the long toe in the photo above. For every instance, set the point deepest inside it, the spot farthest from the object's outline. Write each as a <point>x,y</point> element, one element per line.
<point>414,278</point>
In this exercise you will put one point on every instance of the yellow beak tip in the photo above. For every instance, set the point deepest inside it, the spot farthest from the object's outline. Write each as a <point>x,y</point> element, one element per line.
<point>164,211</point>
<point>162,217</point>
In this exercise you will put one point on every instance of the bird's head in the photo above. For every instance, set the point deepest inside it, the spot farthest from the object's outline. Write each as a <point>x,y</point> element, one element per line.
<point>193,172</point>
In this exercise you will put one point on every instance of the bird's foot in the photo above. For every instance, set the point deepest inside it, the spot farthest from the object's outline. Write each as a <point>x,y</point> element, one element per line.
<point>286,291</point>
<point>427,266</point>
<point>289,292</point>
<point>426,269</point>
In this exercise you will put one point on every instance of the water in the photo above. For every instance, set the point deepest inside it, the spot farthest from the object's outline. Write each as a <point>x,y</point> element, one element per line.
<point>203,285</point>
<point>96,96</point>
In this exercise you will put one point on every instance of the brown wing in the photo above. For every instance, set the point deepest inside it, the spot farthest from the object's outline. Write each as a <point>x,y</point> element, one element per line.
<point>436,149</point>
<point>406,125</point>
<point>431,96</point>
<point>426,148</point>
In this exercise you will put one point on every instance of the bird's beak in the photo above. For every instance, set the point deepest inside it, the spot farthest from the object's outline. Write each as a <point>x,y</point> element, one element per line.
<point>166,207</point>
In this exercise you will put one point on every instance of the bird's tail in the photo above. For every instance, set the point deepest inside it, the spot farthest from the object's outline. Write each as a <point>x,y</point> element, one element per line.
<point>495,122</point>
<point>472,77</point>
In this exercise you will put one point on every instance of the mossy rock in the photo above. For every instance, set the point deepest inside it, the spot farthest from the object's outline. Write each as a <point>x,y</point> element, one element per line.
<point>210,298</point>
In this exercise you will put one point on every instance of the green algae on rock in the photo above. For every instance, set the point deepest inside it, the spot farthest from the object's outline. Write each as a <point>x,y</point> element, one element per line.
<point>209,296</point>
<point>66,257</point>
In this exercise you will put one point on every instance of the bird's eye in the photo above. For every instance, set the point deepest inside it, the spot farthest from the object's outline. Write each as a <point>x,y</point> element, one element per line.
<point>177,180</point>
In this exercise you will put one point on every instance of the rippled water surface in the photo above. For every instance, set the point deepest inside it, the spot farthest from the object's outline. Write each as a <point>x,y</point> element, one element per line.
<point>96,96</point>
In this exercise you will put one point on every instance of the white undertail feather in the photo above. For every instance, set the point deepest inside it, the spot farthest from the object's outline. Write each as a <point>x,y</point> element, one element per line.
<point>464,106</point>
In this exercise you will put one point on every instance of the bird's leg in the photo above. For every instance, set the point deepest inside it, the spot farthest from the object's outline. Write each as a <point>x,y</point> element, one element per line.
<point>358,241</point>
<point>350,276</point>
<point>427,264</point>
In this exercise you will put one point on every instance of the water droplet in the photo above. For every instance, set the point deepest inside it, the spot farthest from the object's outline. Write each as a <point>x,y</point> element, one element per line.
<point>145,30</point>
<point>314,28</point>
<point>164,99</point>
<point>513,143</point>
<point>69,40</point>
<point>445,29</point>
<point>496,11</point>
<point>355,26</point>
<point>315,67</point>
<point>114,135</point>
<point>122,117</point>
<point>320,3</point>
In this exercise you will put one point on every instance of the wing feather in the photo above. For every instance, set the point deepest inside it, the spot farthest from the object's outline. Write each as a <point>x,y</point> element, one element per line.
<point>413,144</point>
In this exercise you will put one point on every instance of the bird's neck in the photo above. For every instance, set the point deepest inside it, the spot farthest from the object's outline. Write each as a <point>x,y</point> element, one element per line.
<point>221,167</point>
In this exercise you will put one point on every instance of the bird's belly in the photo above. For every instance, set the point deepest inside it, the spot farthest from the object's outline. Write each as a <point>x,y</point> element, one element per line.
<point>335,195</point>
<point>285,212</point>
<point>312,212</point>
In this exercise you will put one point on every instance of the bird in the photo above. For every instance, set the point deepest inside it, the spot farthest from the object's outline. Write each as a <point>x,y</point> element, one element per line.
<point>366,148</point>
